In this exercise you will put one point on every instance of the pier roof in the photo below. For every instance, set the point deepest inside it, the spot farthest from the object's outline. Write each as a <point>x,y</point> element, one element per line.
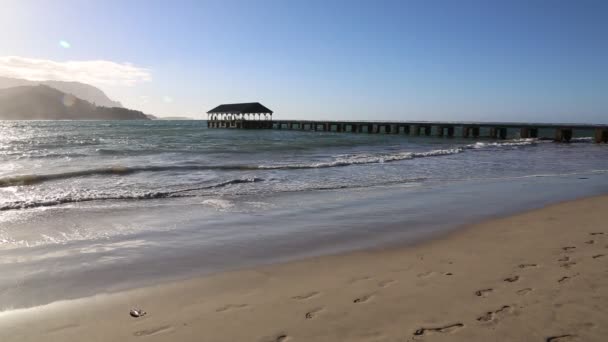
<point>240,108</point>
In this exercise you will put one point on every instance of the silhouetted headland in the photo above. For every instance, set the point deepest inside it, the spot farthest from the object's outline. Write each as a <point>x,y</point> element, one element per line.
<point>42,102</point>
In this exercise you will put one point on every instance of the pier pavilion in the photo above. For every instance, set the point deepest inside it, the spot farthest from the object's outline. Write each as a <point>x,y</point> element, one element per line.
<point>252,115</point>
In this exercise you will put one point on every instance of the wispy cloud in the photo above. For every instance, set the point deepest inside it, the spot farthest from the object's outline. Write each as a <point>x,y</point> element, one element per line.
<point>99,72</point>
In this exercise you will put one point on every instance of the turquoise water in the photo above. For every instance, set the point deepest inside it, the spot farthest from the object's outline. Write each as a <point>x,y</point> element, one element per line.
<point>87,207</point>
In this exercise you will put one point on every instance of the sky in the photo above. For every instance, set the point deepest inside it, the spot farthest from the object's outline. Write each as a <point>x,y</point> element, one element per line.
<point>542,61</point>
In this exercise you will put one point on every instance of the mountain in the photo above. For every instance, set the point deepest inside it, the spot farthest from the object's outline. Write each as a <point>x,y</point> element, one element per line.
<point>154,117</point>
<point>80,90</point>
<point>42,102</point>
<point>176,118</point>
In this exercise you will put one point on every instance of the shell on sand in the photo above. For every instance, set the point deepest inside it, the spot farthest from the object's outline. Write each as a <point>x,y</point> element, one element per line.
<point>137,313</point>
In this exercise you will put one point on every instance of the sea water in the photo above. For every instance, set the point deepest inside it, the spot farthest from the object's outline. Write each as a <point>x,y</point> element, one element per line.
<point>100,206</point>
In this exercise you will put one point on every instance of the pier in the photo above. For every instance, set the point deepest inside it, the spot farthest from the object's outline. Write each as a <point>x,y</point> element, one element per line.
<point>256,116</point>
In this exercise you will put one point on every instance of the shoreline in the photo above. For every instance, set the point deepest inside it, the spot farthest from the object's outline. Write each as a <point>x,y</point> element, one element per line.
<point>381,219</point>
<point>512,277</point>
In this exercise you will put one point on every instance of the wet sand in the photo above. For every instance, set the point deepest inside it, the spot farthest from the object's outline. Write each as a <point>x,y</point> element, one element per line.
<point>537,276</point>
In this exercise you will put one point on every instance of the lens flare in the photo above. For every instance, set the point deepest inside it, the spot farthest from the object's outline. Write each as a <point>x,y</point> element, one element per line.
<point>64,44</point>
<point>69,100</point>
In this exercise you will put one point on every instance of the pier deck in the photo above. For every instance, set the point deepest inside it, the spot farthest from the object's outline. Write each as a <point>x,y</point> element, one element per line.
<point>496,130</point>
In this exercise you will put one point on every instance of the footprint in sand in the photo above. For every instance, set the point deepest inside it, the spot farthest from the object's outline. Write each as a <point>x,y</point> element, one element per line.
<point>566,278</point>
<point>524,292</point>
<point>281,337</point>
<point>597,256</point>
<point>527,265</point>
<point>306,296</point>
<point>426,274</point>
<point>596,233</point>
<point>590,242</point>
<point>565,258</point>
<point>493,315</point>
<point>568,248</point>
<point>560,338</point>
<point>511,279</point>
<point>483,292</point>
<point>358,279</point>
<point>443,329</point>
<point>363,298</point>
<point>231,307</point>
<point>312,313</point>
<point>567,265</point>
<point>63,327</point>
<point>386,283</point>
<point>154,331</point>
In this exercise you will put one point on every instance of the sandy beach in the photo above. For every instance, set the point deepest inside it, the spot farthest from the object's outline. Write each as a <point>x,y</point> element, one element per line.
<point>536,276</point>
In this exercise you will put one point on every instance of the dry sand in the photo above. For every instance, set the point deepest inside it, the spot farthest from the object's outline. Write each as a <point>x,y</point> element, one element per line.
<point>538,276</point>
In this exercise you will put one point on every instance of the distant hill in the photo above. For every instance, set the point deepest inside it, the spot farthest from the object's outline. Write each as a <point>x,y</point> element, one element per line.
<point>154,117</point>
<point>42,102</point>
<point>175,118</point>
<point>80,90</point>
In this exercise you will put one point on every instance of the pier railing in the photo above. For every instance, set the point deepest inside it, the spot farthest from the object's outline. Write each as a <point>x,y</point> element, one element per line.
<point>496,130</point>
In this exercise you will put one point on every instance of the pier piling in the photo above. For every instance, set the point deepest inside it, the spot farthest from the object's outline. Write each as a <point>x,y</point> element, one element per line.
<point>415,130</point>
<point>563,134</point>
<point>475,132</point>
<point>601,135</point>
<point>439,131</point>
<point>450,131</point>
<point>528,132</point>
<point>426,130</point>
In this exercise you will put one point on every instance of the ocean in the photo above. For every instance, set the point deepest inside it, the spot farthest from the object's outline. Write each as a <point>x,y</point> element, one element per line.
<point>90,207</point>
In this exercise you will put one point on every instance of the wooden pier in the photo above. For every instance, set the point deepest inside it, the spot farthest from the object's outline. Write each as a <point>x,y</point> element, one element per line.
<point>256,116</point>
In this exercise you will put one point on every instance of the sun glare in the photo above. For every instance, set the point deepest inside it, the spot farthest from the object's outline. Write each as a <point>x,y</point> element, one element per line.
<point>68,100</point>
<point>64,44</point>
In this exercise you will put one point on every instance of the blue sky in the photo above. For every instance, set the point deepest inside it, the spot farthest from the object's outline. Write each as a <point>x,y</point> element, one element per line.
<point>433,60</point>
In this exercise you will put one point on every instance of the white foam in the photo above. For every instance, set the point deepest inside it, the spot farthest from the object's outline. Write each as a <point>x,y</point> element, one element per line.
<point>508,143</point>
<point>435,153</point>
<point>582,139</point>
<point>259,205</point>
<point>366,158</point>
<point>218,204</point>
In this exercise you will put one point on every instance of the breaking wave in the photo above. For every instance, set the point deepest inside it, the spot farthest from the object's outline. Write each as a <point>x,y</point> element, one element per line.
<point>188,192</point>
<point>104,197</point>
<point>343,160</point>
